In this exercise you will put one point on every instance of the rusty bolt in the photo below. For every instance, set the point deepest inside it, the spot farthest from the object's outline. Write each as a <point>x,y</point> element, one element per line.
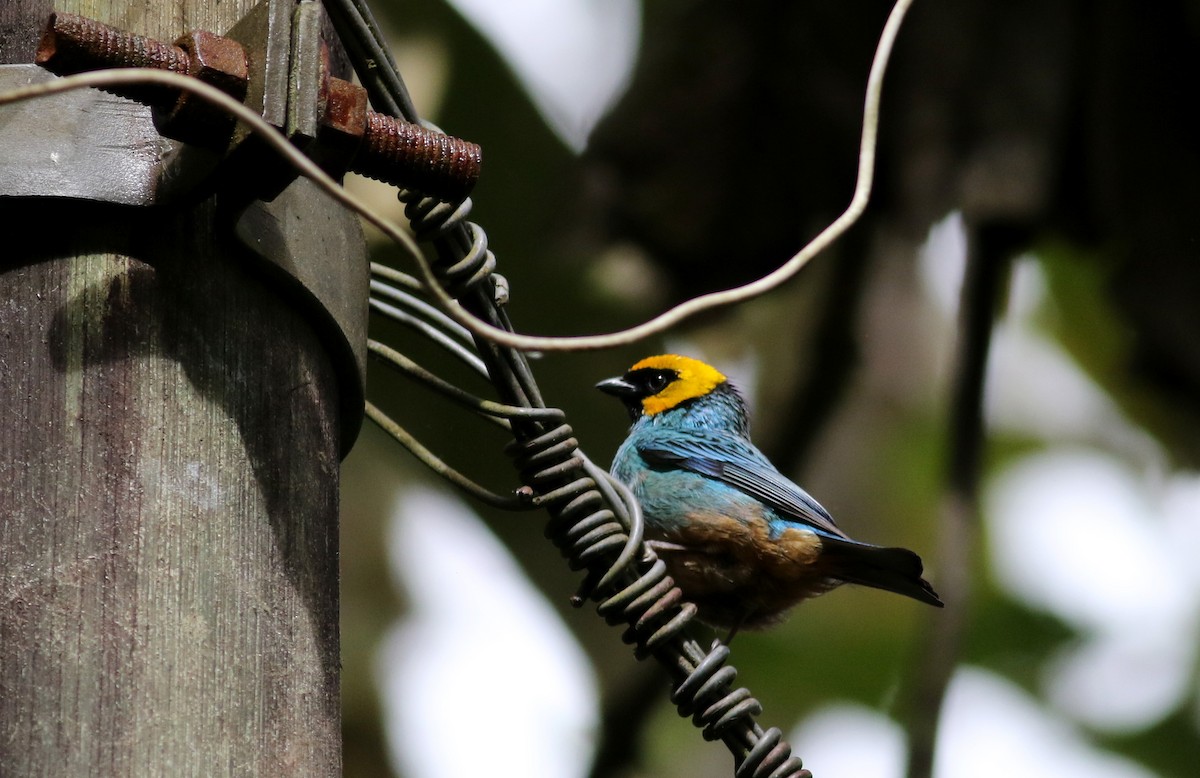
<point>410,156</point>
<point>76,44</point>
<point>343,120</point>
<point>73,44</point>
<point>396,152</point>
<point>376,145</point>
<point>220,62</point>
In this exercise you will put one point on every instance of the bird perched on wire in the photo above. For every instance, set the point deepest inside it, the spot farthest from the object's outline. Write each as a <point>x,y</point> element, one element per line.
<point>743,542</point>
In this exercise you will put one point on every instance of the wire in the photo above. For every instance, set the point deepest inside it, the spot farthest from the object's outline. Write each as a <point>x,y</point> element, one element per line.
<point>372,60</point>
<point>491,331</point>
<point>594,519</point>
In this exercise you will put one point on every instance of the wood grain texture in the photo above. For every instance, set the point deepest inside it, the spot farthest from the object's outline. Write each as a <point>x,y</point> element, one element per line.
<point>168,492</point>
<point>20,23</point>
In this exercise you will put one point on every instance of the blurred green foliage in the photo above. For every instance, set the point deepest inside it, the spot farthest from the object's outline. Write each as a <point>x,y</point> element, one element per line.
<point>878,458</point>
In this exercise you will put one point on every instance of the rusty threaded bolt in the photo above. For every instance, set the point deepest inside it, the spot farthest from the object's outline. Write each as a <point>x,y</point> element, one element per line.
<point>391,150</point>
<point>76,44</point>
<point>412,157</point>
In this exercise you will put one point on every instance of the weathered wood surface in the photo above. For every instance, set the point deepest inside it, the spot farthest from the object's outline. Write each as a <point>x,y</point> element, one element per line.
<point>168,490</point>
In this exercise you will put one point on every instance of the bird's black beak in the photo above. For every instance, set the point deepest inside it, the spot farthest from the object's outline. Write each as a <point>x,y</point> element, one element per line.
<point>629,395</point>
<point>617,387</point>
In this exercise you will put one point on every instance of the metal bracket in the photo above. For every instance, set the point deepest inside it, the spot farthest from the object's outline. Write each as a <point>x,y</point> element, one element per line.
<point>84,145</point>
<point>90,145</point>
<point>318,245</point>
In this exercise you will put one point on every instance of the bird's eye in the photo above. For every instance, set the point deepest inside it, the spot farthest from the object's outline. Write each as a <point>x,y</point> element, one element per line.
<point>659,381</point>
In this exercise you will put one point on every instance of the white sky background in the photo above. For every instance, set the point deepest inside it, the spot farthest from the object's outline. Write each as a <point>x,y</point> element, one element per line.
<point>482,673</point>
<point>991,729</point>
<point>574,57</point>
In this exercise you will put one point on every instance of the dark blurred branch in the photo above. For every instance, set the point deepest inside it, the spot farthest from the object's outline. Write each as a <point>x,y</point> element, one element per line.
<point>989,249</point>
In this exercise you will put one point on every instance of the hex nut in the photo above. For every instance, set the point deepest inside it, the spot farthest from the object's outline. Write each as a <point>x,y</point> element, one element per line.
<point>345,118</point>
<point>218,61</point>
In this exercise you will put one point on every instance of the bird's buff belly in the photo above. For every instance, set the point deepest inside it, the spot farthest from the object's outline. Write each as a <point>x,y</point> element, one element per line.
<point>736,573</point>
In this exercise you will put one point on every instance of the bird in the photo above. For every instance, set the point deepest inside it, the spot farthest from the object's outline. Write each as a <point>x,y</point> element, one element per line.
<point>743,542</point>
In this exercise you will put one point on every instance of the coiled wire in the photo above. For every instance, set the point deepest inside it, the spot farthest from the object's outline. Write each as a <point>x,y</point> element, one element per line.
<point>594,521</point>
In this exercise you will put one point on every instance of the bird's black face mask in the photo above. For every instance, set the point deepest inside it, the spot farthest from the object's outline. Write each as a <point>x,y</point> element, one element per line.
<point>637,385</point>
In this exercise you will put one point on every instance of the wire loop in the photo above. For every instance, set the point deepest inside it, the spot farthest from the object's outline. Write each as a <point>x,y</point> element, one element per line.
<point>596,523</point>
<point>593,519</point>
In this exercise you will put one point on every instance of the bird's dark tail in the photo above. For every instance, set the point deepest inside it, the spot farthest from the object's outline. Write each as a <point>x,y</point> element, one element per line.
<point>891,569</point>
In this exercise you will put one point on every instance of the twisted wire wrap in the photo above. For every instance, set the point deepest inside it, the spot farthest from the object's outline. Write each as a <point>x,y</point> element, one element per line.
<point>594,522</point>
<point>592,532</point>
<point>434,220</point>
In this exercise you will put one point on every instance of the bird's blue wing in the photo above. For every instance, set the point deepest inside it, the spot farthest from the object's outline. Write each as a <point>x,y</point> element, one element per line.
<point>736,462</point>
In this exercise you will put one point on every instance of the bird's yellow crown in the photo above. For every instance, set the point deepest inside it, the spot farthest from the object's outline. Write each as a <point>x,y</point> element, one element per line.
<point>695,379</point>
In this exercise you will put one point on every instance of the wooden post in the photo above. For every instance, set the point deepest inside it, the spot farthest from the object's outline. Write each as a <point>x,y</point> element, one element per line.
<point>168,486</point>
